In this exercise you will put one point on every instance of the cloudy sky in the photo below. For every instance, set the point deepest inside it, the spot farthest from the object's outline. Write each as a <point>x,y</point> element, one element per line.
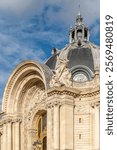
<point>29,29</point>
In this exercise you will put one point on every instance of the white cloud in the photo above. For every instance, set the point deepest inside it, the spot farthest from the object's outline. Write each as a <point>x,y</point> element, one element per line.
<point>12,53</point>
<point>89,9</point>
<point>15,5</point>
<point>68,8</point>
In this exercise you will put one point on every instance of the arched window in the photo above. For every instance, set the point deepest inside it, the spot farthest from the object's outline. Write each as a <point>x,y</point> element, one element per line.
<point>42,132</point>
<point>39,128</point>
<point>44,143</point>
<point>79,33</point>
<point>81,73</point>
<point>73,34</point>
<point>85,33</point>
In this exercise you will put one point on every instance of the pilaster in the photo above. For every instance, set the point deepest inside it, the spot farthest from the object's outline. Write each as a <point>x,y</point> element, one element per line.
<point>4,145</point>
<point>9,132</point>
<point>17,132</point>
<point>56,126</point>
<point>67,123</point>
<point>61,100</point>
<point>49,127</point>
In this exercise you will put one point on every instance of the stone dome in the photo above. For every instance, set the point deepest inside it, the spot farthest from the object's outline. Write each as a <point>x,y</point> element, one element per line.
<point>83,55</point>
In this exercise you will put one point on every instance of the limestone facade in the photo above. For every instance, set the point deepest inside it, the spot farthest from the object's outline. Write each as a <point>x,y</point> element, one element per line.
<point>57,108</point>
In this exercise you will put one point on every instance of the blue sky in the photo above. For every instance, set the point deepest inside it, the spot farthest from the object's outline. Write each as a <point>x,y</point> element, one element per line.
<point>30,29</point>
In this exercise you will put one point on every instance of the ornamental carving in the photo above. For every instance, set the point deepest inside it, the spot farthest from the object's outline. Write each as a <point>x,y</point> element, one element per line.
<point>81,108</point>
<point>62,76</point>
<point>34,100</point>
<point>53,104</point>
<point>95,104</point>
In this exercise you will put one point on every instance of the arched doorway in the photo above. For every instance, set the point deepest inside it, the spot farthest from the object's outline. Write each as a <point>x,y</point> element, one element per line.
<point>41,142</point>
<point>45,143</point>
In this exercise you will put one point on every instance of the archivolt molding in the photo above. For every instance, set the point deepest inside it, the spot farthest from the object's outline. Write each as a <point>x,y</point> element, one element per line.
<point>36,103</point>
<point>20,73</point>
<point>32,114</point>
<point>33,110</point>
<point>22,95</point>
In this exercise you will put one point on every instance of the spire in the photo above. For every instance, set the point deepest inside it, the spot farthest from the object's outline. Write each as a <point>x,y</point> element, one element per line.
<point>79,18</point>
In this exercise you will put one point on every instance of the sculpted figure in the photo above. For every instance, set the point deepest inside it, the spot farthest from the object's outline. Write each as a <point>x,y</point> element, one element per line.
<point>62,74</point>
<point>61,67</point>
<point>65,78</point>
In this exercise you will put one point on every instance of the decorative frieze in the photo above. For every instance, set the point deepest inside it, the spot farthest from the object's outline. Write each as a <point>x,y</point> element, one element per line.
<point>63,91</point>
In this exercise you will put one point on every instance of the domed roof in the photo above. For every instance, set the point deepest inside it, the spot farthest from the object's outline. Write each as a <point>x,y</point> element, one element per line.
<point>83,55</point>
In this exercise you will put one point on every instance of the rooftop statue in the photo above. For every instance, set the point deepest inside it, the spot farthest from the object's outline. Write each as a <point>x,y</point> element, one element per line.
<point>62,74</point>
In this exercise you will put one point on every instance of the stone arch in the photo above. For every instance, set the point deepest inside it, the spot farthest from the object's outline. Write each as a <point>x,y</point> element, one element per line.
<point>23,77</point>
<point>34,140</point>
<point>29,89</point>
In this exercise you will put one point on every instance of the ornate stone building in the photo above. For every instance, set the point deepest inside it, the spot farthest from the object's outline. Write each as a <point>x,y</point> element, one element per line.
<point>54,106</point>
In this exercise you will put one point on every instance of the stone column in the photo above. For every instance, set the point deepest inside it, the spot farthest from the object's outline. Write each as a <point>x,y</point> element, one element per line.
<point>17,135</point>
<point>13,134</point>
<point>49,128</point>
<point>4,138</point>
<point>67,123</point>
<point>56,126</point>
<point>9,136</point>
<point>22,135</point>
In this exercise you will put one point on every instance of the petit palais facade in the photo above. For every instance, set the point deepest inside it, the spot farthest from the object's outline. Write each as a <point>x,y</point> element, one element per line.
<point>54,106</point>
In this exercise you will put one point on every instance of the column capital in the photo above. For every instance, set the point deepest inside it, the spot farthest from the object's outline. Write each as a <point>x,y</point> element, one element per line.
<point>95,104</point>
<point>56,103</point>
<point>53,104</point>
<point>17,120</point>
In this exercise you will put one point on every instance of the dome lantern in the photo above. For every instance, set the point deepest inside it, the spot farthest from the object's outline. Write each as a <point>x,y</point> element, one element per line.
<point>79,32</point>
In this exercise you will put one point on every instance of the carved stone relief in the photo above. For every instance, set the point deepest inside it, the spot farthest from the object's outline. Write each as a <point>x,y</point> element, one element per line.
<point>62,75</point>
<point>34,100</point>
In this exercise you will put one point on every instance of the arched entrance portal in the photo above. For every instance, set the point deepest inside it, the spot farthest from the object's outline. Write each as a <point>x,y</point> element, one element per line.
<point>41,141</point>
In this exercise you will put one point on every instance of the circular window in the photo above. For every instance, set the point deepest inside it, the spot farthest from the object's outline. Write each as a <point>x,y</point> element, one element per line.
<point>80,77</point>
<point>81,74</point>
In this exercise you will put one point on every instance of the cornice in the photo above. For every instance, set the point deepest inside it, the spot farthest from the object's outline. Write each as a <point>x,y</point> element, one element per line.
<point>63,91</point>
<point>73,92</point>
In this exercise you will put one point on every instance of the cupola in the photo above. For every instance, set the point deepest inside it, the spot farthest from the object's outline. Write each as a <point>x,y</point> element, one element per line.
<point>79,32</point>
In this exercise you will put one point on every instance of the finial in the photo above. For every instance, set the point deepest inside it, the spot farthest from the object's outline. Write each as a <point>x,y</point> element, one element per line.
<point>79,18</point>
<point>79,8</point>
